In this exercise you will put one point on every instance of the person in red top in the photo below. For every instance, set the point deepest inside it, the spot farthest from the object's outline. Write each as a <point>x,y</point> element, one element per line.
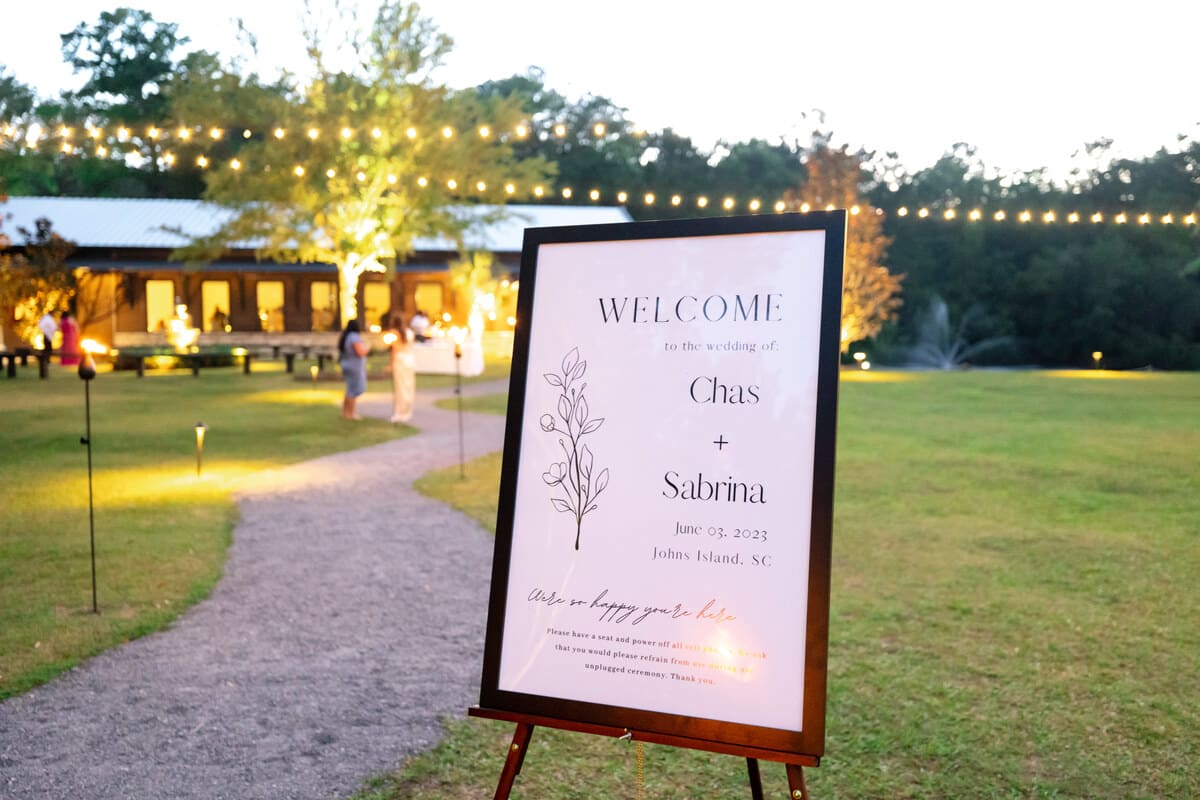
<point>69,349</point>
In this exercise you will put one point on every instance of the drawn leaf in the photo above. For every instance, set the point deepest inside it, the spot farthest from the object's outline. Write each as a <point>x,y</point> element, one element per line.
<point>570,360</point>
<point>592,425</point>
<point>579,370</point>
<point>585,461</point>
<point>564,408</point>
<point>581,411</point>
<point>552,379</point>
<point>601,481</point>
<point>561,505</point>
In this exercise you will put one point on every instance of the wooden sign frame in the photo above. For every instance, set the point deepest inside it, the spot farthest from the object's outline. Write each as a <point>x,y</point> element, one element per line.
<point>803,747</point>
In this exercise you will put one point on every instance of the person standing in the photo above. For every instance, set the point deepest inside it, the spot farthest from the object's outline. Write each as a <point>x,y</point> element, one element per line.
<point>48,327</point>
<point>352,355</point>
<point>68,351</point>
<point>404,364</point>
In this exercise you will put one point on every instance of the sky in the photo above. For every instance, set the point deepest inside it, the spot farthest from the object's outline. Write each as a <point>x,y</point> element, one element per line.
<point>1027,83</point>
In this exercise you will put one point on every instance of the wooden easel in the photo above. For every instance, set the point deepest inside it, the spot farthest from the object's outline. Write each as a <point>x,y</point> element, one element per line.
<point>526,723</point>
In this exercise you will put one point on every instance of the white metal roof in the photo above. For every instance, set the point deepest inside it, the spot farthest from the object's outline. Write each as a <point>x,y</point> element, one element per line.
<point>140,222</point>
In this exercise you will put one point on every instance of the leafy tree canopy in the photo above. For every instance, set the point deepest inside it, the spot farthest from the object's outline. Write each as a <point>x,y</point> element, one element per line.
<point>409,153</point>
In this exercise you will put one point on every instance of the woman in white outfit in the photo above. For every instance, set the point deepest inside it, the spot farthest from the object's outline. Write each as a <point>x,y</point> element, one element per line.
<point>404,376</point>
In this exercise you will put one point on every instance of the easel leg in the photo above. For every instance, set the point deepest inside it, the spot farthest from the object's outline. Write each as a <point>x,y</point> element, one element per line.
<point>516,757</point>
<point>795,776</point>
<point>755,779</point>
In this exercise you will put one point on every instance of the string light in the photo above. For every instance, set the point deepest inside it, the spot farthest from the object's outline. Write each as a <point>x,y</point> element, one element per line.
<point>422,181</point>
<point>331,173</point>
<point>804,208</point>
<point>32,135</point>
<point>452,184</point>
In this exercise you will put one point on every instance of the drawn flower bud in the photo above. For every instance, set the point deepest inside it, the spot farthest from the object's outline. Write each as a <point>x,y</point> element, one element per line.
<point>555,474</point>
<point>547,423</point>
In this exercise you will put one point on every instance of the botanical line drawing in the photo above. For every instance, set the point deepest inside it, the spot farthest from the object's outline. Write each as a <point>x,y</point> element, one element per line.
<point>573,477</point>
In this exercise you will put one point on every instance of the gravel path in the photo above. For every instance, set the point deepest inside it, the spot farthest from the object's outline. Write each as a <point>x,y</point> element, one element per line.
<point>348,624</point>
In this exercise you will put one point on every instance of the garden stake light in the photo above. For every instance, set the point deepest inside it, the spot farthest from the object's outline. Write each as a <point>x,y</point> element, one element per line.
<point>312,371</point>
<point>87,371</point>
<point>200,429</point>
<point>458,337</point>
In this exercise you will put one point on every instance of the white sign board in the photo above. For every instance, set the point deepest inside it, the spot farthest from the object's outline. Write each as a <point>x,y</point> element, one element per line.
<point>655,541</point>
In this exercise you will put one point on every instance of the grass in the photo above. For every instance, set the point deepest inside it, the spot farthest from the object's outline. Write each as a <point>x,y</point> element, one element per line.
<point>161,533</point>
<point>1013,615</point>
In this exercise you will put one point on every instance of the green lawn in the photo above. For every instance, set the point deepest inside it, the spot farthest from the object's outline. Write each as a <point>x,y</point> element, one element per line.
<point>161,533</point>
<point>1014,612</point>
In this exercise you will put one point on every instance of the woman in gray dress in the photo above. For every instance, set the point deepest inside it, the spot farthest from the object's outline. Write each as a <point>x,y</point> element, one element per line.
<point>352,353</point>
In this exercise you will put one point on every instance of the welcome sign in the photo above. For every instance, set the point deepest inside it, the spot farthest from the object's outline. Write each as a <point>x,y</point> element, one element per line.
<point>662,544</point>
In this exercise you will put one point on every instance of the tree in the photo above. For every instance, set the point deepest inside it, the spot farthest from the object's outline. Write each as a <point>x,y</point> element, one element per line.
<point>35,280</point>
<point>870,293</point>
<point>357,164</point>
<point>591,144</point>
<point>129,57</point>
